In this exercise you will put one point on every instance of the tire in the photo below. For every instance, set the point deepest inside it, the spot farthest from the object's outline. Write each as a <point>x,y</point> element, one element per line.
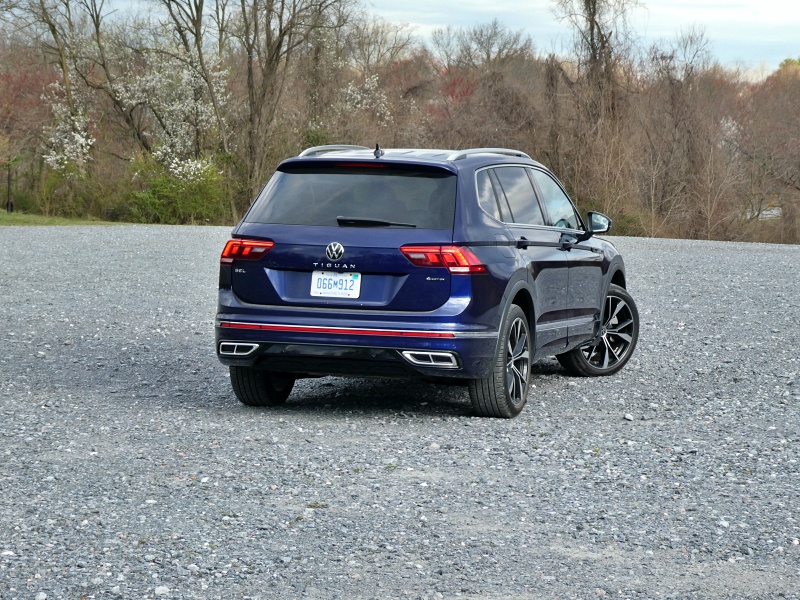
<point>503,394</point>
<point>617,340</point>
<point>255,387</point>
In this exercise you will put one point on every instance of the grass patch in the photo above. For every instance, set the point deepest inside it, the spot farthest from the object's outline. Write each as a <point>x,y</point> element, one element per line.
<point>18,218</point>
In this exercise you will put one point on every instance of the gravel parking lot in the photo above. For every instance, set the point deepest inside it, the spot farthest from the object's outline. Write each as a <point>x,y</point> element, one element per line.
<point>129,470</point>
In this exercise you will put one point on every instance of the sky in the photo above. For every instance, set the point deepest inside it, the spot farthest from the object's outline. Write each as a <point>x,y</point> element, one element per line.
<point>754,34</point>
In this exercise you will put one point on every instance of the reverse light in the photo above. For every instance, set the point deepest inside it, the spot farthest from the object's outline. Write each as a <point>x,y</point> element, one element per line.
<point>244,250</point>
<point>456,259</point>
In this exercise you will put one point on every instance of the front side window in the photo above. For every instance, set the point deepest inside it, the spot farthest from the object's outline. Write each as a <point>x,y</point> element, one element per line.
<point>559,207</point>
<point>319,194</point>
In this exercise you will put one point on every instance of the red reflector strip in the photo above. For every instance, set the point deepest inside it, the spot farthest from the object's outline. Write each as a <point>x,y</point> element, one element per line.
<point>338,330</point>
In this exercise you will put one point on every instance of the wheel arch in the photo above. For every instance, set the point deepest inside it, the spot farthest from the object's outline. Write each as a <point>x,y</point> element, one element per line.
<point>618,278</point>
<point>616,273</point>
<point>523,299</point>
<point>518,292</point>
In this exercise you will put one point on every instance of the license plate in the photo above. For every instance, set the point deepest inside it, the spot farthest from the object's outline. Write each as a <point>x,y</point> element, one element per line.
<point>328,284</point>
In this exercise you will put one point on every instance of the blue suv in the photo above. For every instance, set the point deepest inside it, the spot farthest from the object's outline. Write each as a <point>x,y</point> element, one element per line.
<point>461,266</point>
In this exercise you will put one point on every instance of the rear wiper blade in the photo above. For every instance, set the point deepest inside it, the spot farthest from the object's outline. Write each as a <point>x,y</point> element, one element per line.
<point>359,222</point>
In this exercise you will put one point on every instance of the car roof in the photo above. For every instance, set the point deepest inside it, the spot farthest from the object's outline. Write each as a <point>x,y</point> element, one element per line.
<point>454,160</point>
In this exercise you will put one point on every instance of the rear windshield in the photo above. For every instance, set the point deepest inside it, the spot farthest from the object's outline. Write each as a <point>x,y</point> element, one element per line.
<point>321,194</point>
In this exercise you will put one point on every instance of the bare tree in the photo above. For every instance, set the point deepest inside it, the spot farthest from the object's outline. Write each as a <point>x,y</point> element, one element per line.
<point>690,185</point>
<point>602,40</point>
<point>53,23</point>
<point>375,44</point>
<point>22,110</point>
<point>490,46</point>
<point>767,135</point>
<point>493,45</point>
<point>322,60</point>
<point>269,33</point>
<point>445,46</point>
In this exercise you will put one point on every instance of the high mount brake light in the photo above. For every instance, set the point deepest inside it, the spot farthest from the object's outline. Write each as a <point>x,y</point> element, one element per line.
<point>244,250</point>
<point>456,259</point>
<point>362,165</point>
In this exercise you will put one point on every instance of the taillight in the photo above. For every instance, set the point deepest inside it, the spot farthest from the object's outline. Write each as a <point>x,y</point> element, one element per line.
<point>244,250</point>
<point>454,258</point>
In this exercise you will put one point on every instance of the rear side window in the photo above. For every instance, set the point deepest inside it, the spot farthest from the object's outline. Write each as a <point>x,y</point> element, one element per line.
<point>486,197</point>
<point>521,198</point>
<point>317,194</point>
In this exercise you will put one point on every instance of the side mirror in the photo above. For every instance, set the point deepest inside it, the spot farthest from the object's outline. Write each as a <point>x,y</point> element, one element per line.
<point>599,223</point>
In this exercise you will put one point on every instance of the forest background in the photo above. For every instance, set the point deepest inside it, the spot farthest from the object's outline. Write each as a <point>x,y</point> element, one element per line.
<point>178,111</point>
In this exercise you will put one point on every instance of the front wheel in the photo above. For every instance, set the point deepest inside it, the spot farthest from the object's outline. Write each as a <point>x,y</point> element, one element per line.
<point>619,333</point>
<point>504,393</point>
<point>255,387</point>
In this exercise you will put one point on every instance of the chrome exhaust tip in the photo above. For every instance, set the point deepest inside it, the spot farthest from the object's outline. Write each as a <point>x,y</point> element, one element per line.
<point>440,360</point>
<point>237,348</point>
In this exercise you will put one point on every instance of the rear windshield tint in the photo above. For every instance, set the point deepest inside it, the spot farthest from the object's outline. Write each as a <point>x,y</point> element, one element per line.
<point>318,195</point>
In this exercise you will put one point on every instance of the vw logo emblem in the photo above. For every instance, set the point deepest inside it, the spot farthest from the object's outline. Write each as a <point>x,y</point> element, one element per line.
<point>334,251</point>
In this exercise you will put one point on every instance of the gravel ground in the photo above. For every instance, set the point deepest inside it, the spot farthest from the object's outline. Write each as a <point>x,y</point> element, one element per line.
<point>129,470</point>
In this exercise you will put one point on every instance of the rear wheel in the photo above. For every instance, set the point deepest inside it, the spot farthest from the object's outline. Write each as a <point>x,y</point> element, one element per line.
<point>255,387</point>
<point>504,393</point>
<point>614,346</point>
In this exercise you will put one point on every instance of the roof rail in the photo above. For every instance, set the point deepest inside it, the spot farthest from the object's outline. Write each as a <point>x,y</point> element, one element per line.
<point>317,150</point>
<point>465,153</point>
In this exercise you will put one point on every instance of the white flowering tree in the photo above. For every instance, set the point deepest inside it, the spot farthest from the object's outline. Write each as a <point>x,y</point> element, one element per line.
<point>68,140</point>
<point>173,98</point>
<point>167,90</point>
<point>170,96</point>
<point>367,97</point>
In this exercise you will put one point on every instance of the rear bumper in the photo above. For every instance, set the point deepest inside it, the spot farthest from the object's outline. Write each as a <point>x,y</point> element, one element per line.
<point>313,360</point>
<point>359,343</point>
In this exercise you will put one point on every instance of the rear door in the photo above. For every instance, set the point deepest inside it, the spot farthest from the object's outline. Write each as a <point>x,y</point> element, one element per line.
<point>338,230</point>
<point>547,264</point>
